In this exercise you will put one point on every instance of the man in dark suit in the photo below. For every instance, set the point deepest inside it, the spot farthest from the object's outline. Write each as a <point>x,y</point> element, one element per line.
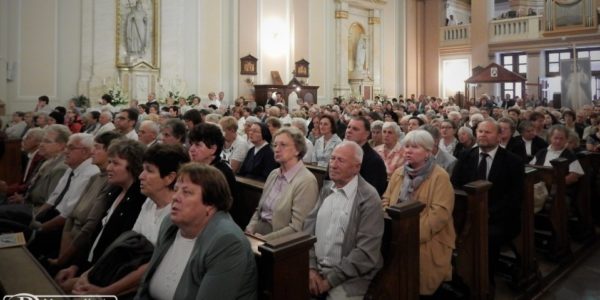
<point>372,168</point>
<point>505,171</point>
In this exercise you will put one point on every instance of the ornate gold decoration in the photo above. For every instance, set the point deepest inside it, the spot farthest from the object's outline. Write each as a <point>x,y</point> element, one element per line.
<point>374,20</point>
<point>341,14</point>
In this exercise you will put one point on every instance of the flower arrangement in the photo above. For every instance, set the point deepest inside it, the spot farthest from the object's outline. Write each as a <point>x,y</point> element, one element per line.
<point>115,90</point>
<point>119,97</point>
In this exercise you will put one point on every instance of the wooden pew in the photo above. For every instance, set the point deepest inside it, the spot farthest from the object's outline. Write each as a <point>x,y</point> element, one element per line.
<point>529,275</point>
<point>471,224</point>
<point>283,266</point>
<point>399,278</point>
<point>558,216</point>
<point>585,231</point>
<point>319,172</point>
<point>594,167</point>
<point>249,191</point>
<point>10,163</point>
<point>20,272</point>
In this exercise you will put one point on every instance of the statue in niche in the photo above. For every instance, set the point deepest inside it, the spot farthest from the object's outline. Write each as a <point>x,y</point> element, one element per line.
<point>136,30</point>
<point>360,55</point>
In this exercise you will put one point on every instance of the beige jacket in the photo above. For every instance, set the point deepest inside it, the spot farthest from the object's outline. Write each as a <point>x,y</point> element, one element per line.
<point>292,207</point>
<point>437,234</point>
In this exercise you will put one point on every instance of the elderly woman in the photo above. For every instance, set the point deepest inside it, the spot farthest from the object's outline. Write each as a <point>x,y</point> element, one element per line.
<point>391,150</point>
<point>290,191</point>
<point>328,140</point>
<point>466,141</point>
<point>124,201</point>
<point>157,181</point>
<point>201,253</point>
<point>259,160</point>
<point>421,179</point>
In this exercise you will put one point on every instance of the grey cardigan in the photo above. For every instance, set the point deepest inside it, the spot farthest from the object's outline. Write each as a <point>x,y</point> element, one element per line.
<point>361,249</point>
<point>221,266</point>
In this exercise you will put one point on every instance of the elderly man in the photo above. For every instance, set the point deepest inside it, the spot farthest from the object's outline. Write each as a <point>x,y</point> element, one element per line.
<point>372,167</point>
<point>45,180</point>
<point>348,223</point>
<point>148,132</point>
<point>106,123</point>
<point>65,196</point>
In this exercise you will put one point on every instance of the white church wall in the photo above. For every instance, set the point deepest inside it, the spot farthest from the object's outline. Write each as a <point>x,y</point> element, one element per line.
<point>41,43</point>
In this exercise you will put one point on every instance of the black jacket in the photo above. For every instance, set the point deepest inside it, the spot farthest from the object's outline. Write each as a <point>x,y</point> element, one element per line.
<point>507,176</point>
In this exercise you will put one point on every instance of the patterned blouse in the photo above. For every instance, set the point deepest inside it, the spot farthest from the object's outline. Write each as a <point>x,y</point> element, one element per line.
<point>322,150</point>
<point>394,158</point>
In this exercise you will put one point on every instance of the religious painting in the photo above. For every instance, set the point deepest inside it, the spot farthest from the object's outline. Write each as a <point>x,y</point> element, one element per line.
<point>575,86</point>
<point>138,26</point>
<point>248,65</point>
<point>301,68</point>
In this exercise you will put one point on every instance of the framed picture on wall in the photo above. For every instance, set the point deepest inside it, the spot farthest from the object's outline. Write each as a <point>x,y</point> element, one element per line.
<point>138,33</point>
<point>301,68</point>
<point>248,65</point>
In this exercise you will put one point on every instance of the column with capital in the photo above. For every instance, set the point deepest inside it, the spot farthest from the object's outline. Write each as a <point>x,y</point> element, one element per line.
<point>374,57</point>
<point>341,87</point>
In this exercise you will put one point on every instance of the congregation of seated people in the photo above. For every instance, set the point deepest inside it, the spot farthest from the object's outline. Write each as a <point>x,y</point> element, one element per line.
<point>162,176</point>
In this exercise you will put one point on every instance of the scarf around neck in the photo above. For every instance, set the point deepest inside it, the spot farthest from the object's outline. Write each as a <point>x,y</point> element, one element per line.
<point>413,179</point>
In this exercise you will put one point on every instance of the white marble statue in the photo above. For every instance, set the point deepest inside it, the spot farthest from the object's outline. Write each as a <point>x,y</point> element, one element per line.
<point>136,30</point>
<point>360,54</point>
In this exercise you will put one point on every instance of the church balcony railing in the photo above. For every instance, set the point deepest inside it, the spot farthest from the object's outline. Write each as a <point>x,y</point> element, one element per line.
<point>456,35</point>
<point>515,29</point>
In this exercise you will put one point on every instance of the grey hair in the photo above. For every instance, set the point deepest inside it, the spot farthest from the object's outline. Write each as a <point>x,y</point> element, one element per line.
<point>434,131</point>
<point>558,127</point>
<point>466,130</point>
<point>300,124</point>
<point>394,126</point>
<point>152,126</point>
<point>107,114</point>
<point>85,139</point>
<point>35,133</point>
<point>62,132</point>
<point>419,137</point>
<point>297,137</point>
<point>377,124</point>
<point>358,151</point>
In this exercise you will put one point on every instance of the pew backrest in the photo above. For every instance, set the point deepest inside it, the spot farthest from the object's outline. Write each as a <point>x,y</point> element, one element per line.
<point>471,225</point>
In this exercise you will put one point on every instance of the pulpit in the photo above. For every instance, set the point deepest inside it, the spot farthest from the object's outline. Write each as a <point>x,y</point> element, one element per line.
<point>262,92</point>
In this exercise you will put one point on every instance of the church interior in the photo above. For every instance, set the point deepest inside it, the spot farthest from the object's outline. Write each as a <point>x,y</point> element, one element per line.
<point>533,65</point>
